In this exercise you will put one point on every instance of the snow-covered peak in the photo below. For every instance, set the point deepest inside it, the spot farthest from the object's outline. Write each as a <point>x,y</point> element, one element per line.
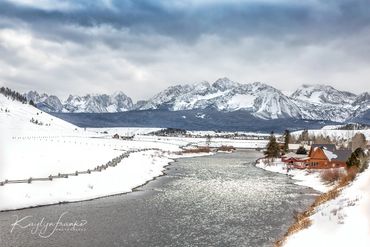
<point>260,99</point>
<point>361,99</point>
<point>98,103</point>
<point>322,94</point>
<point>224,84</point>
<point>92,103</point>
<point>48,103</point>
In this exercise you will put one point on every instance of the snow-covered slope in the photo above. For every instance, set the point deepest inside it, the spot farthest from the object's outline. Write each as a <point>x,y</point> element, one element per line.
<point>17,118</point>
<point>260,99</point>
<point>343,221</point>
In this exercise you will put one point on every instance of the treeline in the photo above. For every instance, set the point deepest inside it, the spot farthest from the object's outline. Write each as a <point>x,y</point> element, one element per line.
<point>354,126</point>
<point>169,132</point>
<point>13,94</point>
<point>304,137</point>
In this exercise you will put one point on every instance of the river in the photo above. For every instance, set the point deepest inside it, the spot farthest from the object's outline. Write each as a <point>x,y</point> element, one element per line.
<point>220,200</point>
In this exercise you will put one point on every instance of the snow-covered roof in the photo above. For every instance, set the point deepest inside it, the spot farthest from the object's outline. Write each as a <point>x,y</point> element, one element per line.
<point>296,156</point>
<point>330,155</point>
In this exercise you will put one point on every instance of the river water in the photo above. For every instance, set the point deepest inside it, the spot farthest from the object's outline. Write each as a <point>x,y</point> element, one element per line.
<point>220,200</point>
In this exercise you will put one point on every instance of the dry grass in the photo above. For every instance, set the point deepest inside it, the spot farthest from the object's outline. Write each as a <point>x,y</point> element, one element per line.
<point>331,176</point>
<point>351,174</point>
<point>197,150</point>
<point>225,148</point>
<point>302,220</point>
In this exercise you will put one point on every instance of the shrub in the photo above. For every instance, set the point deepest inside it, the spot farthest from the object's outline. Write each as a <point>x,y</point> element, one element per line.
<point>197,150</point>
<point>358,159</point>
<point>226,148</point>
<point>331,175</point>
<point>351,174</point>
<point>301,150</point>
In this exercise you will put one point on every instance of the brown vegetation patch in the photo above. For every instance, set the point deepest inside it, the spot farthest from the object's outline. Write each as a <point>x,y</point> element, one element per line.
<point>225,148</point>
<point>197,150</point>
<point>331,176</point>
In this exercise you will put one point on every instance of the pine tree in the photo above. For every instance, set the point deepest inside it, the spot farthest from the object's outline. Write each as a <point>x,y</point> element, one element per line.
<point>358,159</point>
<point>286,140</point>
<point>301,150</point>
<point>272,148</point>
<point>208,140</point>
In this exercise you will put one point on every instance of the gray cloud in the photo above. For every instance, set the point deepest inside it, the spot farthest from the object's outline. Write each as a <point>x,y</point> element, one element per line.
<point>143,46</point>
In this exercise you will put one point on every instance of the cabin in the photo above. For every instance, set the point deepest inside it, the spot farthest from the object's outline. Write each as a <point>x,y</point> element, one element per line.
<point>325,156</point>
<point>320,156</point>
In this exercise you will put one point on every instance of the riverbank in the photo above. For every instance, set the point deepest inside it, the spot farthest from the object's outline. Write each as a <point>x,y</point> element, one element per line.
<point>339,217</point>
<point>138,168</point>
<point>306,178</point>
<point>215,200</point>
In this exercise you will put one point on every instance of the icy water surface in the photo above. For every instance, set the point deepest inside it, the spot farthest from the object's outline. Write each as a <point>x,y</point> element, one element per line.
<point>220,200</point>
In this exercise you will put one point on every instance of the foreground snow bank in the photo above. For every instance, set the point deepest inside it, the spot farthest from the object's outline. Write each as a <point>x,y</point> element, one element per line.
<point>303,177</point>
<point>344,221</point>
<point>131,172</point>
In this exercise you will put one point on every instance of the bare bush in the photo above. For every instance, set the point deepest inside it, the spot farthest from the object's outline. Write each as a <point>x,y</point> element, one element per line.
<point>331,176</point>
<point>197,150</point>
<point>225,148</point>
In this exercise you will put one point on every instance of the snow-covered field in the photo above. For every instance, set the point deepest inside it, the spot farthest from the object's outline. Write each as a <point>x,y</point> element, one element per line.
<point>33,150</point>
<point>344,221</point>
<point>214,142</point>
<point>34,144</point>
<point>123,131</point>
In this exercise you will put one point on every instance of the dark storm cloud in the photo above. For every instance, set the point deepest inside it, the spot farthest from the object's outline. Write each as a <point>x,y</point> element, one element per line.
<point>143,46</point>
<point>320,19</point>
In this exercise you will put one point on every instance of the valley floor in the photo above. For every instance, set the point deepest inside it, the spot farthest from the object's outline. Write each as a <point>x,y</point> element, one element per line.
<point>45,160</point>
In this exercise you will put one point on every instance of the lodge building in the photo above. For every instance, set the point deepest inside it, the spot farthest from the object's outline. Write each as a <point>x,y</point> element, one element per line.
<point>320,156</point>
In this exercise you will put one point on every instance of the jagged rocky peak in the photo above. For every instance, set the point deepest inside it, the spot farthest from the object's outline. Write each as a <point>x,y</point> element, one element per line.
<point>316,102</point>
<point>99,103</point>
<point>322,94</point>
<point>92,103</point>
<point>224,84</point>
<point>362,98</point>
<point>260,99</point>
<point>48,103</point>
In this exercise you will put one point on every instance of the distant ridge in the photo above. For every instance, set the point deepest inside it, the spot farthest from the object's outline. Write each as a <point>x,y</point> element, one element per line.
<point>311,102</point>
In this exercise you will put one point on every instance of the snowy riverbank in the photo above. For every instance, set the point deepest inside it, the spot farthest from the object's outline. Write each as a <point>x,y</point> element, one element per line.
<point>301,177</point>
<point>343,221</point>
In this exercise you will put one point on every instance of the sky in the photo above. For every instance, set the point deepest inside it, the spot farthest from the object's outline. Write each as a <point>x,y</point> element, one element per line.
<point>141,47</point>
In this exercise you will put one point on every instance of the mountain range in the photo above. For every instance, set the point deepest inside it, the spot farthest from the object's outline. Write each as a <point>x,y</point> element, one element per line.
<point>311,102</point>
